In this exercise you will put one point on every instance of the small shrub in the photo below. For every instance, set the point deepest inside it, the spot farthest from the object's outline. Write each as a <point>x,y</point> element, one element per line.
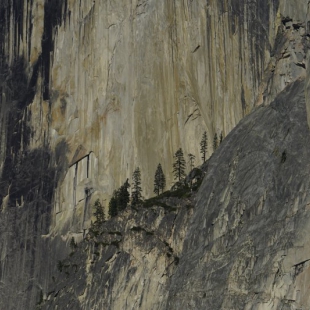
<point>40,298</point>
<point>137,228</point>
<point>176,260</point>
<point>60,265</point>
<point>115,243</point>
<point>73,244</point>
<point>115,233</point>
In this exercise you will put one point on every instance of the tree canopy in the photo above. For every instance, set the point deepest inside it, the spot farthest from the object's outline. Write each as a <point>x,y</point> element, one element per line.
<point>99,214</point>
<point>119,200</point>
<point>215,142</point>
<point>113,210</point>
<point>159,180</point>
<point>179,165</point>
<point>204,146</point>
<point>123,196</point>
<point>136,196</point>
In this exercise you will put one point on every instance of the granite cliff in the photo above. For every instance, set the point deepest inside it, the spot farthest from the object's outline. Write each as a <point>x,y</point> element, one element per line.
<point>92,89</point>
<point>241,242</point>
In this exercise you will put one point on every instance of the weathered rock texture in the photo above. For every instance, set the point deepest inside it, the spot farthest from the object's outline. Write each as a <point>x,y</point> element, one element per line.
<point>248,244</point>
<point>92,89</point>
<point>128,265</point>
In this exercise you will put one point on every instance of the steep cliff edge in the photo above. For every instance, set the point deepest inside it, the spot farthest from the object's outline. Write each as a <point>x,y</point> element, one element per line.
<point>247,231</point>
<point>92,89</point>
<point>248,243</point>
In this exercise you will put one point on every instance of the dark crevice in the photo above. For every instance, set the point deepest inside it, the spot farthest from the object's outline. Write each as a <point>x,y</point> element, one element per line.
<point>197,47</point>
<point>296,26</point>
<point>55,12</point>
<point>286,20</point>
<point>300,64</point>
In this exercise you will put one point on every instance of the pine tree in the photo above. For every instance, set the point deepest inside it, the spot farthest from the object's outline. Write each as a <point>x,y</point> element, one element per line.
<point>215,142</point>
<point>191,160</point>
<point>179,165</point>
<point>119,199</point>
<point>113,205</point>
<point>159,180</point>
<point>99,214</point>
<point>137,190</point>
<point>204,146</point>
<point>123,196</point>
<point>162,182</point>
<point>221,137</point>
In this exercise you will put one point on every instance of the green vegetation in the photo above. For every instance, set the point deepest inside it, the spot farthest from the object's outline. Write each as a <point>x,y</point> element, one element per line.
<point>136,197</point>
<point>73,244</point>
<point>99,215</point>
<point>159,180</point>
<point>215,142</point>
<point>120,199</point>
<point>96,227</point>
<point>179,165</point>
<point>204,146</point>
<point>183,191</point>
<point>176,260</point>
<point>123,196</point>
<point>60,266</point>
<point>40,298</point>
<point>113,205</point>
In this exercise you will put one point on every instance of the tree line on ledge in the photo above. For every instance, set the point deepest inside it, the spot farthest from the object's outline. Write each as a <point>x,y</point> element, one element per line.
<point>121,197</point>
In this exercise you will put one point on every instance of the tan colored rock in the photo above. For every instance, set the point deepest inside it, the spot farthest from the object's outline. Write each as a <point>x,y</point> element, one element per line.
<point>133,82</point>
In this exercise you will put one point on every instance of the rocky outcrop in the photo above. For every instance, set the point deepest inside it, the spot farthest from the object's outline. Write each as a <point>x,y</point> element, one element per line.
<point>127,264</point>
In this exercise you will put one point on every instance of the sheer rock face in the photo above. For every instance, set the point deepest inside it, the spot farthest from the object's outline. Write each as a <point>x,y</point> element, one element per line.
<point>92,89</point>
<point>246,239</point>
<point>149,77</point>
<point>247,245</point>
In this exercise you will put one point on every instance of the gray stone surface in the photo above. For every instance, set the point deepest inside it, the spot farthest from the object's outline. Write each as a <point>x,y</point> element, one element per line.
<point>128,265</point>
<point>248,243</point>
